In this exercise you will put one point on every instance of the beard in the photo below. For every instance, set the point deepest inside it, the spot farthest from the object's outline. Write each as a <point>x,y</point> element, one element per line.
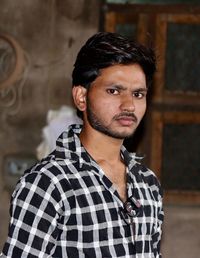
<point>97,123</point>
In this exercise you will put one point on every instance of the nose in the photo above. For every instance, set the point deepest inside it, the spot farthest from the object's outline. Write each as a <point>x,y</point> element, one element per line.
<point>127,103</point>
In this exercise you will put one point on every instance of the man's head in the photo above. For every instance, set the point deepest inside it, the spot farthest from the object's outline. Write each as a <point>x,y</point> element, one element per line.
<point>106,49</point>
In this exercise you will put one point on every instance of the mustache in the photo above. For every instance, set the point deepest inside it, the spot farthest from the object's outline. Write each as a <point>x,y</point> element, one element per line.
<point>126,114</point>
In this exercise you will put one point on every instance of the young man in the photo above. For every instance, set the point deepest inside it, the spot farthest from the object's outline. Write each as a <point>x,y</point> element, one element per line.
<point>90,197</point>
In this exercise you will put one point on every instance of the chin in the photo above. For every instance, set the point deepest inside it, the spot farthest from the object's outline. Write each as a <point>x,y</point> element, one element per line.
<point>121,135</point>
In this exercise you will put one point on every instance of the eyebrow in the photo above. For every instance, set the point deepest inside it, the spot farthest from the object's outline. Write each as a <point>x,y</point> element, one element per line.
<point>121,87</point>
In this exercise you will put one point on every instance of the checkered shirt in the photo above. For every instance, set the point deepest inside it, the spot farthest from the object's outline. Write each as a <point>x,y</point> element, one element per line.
<point>65,206</point>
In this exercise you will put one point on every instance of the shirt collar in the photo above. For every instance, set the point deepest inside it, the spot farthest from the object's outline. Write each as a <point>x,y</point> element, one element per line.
<point>68,146</point>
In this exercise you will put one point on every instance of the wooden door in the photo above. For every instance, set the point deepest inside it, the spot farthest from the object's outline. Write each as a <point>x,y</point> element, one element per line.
<point>171,137</point>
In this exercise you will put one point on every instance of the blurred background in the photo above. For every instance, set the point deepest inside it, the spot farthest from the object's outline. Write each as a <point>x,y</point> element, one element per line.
<point>39,41</point>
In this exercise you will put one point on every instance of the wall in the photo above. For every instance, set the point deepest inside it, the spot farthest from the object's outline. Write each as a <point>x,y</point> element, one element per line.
<point>38,43</point>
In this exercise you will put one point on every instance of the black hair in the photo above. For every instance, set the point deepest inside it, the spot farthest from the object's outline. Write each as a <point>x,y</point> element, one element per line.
<point>105,49</point>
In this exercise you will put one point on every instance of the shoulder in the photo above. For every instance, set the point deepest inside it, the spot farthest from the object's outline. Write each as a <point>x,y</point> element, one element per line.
<point>152,180</point>
<point>148,175</point>
<point>145,176</point>
<point>46,176</point>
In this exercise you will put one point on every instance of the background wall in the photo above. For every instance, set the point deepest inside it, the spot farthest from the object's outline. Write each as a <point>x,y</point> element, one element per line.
<point>41,38</point>
<point>39,41</point>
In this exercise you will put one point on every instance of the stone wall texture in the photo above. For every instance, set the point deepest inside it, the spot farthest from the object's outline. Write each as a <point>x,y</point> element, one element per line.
<point>39,41</point>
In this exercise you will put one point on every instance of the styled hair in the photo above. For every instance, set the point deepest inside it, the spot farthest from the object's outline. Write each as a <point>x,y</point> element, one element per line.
<point>106,49</point>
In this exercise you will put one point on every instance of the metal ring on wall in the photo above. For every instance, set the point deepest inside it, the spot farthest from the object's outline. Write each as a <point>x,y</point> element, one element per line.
<point>19,65</point>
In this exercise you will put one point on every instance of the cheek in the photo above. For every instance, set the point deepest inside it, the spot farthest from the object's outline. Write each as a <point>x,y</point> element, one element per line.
<point>105,106</point>
<point>141,109</point>
<point>104,110</point>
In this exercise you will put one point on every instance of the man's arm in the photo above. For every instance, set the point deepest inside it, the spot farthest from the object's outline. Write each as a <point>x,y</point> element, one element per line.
<point>34,212</point>
<point>157,236</point>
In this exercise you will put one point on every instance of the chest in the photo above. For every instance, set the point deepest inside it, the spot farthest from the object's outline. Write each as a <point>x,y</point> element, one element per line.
<point>116,173</point>
<point>94,214</point>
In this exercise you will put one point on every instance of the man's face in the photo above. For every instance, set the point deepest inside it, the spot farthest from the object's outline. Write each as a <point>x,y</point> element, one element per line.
<point>116,101</point>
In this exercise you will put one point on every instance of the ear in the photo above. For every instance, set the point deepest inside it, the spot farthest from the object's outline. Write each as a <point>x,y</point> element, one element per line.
<point>79,96</point>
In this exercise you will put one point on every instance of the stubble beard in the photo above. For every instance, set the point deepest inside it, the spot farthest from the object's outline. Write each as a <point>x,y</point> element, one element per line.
<point>98,125</point>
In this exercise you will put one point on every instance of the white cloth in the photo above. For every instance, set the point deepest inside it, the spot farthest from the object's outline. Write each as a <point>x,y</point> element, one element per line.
<point>57,122</point>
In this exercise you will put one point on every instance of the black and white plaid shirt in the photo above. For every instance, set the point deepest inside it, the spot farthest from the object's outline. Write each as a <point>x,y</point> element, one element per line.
<point>65,206</point>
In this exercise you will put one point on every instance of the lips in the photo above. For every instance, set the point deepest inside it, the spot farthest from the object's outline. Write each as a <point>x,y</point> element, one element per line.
<point>127,120</point>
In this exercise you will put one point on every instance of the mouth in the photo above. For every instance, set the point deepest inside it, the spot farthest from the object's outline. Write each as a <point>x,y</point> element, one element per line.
<point>127,120</point>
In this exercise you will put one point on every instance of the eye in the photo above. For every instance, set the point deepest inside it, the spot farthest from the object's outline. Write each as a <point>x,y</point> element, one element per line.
<point>113,91</point>
<point>139,94</point>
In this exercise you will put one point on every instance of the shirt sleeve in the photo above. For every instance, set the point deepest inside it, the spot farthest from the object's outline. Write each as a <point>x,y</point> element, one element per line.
<point>35,210</point>
<point>158,234</point>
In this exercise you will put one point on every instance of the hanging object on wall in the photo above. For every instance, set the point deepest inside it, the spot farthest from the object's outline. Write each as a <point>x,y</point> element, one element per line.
<point>13,69</point>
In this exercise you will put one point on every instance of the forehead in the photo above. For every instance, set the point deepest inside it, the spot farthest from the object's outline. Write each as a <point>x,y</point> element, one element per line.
<point>127,75</point>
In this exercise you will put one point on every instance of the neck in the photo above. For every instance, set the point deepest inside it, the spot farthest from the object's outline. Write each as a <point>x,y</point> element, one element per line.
<point>101,146</point>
